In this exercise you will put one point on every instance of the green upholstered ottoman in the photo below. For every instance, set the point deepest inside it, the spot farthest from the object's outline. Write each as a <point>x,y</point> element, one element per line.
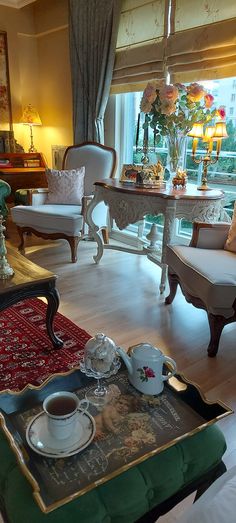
<point>140,494</point>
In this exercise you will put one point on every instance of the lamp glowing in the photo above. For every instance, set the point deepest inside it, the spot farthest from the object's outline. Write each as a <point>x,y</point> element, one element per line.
<point>196,133</point>
<point>212,133</point>
<point>31,117</point>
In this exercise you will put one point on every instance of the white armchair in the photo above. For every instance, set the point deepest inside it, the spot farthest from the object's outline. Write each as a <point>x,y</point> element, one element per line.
<point>206,273</point>
<point>59,221</point>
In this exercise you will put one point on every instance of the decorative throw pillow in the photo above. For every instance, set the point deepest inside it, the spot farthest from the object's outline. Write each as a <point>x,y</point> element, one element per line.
<point>65,187</point>
<point>230,244</point>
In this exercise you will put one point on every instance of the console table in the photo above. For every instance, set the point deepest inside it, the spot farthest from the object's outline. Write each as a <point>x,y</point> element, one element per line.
<point>129,204</point>
<point>23,170</point>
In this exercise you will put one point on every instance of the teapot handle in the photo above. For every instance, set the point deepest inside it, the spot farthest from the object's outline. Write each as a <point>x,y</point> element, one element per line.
<point>173,364</point>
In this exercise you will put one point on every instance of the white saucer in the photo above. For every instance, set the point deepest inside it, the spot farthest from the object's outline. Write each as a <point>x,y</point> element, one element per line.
<point>40,440</point>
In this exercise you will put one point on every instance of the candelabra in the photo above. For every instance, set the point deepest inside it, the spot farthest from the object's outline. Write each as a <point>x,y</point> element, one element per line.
<point>145,149</point>
<point>212,134</point>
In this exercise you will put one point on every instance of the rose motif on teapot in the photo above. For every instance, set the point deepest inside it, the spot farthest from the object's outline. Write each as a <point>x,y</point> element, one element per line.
<point>145,373</point>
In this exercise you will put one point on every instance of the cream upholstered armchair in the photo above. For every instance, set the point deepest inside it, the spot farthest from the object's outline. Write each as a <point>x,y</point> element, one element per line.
<point>54,215</point>
<point>206,273</point>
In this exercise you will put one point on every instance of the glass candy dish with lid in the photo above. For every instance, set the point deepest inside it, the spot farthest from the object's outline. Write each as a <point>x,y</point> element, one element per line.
<point>100,361</point>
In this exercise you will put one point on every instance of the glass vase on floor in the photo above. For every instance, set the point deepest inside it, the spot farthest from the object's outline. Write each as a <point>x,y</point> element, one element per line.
<point>176,145</point>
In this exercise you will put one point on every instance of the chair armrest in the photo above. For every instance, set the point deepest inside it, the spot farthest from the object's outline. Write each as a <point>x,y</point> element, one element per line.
<point>209,235</point>
<point>38,196</point>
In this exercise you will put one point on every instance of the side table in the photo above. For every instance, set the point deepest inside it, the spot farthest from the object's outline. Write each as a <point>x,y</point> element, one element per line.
<point>30,280</point>
<point>129,204</point>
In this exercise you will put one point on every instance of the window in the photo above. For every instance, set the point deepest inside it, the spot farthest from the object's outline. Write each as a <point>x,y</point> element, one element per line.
<point>233,97</point>
<point>221,175</point>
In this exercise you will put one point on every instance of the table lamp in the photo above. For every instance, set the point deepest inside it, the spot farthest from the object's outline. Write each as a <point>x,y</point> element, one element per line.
<point>31,117</point>
<point>211,134</point>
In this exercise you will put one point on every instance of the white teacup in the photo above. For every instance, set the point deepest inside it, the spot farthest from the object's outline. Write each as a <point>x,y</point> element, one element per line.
<point>62,410</point>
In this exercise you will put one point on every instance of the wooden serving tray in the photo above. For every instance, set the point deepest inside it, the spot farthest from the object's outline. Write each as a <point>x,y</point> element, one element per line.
<point>131,428</point>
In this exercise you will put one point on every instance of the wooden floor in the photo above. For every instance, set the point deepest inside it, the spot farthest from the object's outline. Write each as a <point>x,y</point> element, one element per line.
<point>120,297</point>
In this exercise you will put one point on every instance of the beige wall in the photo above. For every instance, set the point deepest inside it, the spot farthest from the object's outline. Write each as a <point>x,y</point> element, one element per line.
<point>39,66</point>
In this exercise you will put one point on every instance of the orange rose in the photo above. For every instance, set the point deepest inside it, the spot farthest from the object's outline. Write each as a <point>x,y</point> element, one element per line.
<point>145,105</point>
<point>209,99</point>
<point>195,92</point>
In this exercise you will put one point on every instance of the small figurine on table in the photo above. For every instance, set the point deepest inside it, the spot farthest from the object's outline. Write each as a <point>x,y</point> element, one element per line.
<point>180,179</point>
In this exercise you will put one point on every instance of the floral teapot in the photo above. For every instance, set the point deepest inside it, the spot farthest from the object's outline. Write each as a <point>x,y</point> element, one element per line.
<point>145,365</point>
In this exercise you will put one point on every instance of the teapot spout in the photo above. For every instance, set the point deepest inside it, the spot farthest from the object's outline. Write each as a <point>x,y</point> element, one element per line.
<point>126,359</point>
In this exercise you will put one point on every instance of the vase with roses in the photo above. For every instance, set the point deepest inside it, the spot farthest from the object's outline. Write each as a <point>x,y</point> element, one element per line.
<point>172,110</point>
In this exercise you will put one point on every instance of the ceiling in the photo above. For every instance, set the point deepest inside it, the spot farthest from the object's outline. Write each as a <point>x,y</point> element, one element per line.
<point>16,3</point>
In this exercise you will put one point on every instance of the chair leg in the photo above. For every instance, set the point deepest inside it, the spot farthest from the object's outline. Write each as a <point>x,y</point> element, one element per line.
<point>216,324</point>
<point>105,235</point>
<point>21,246</point>
<point>173,283</point>
<point>73,241</point>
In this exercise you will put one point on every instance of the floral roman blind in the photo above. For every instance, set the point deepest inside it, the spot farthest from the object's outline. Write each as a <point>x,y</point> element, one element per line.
<point>202,40</point>
<point>191,40</point>
<point>139,49</point>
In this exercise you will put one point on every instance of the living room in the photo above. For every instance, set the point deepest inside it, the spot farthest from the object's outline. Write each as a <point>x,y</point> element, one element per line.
<point>119,296</point>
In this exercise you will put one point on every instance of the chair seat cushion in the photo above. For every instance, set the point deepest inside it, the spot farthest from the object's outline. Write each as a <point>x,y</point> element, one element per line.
<point>124,498</point>
<point>208,274</point>
<point>49,218</point>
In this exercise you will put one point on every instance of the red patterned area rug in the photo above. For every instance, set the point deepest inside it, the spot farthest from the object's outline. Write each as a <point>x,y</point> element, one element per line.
<point>27,355</point>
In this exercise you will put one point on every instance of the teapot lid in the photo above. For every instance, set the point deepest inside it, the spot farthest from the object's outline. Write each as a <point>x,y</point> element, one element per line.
<point>146,350</point>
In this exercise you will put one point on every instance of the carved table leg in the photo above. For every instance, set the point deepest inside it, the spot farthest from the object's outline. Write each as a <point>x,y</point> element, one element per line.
<point>21,247</point>
<point>53,303</point>
<point>169,221</point>
<point>94,228</point>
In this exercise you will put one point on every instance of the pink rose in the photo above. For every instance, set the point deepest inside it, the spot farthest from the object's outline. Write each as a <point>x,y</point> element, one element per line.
<point>149,372</point>
<point>221,112</point>
<point>195,92</point>
<point>168,93</point>
<point>209,99</point>
<point>167,107</point>
<point>150,91</point>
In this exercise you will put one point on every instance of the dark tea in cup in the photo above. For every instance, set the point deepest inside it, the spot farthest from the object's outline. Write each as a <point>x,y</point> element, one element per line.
<point>62,405</point>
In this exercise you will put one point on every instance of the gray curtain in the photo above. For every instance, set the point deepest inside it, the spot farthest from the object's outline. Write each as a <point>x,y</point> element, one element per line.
<point>93,28</point>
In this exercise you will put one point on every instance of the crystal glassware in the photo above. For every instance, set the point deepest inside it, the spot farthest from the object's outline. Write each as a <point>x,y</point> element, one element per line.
<point>100,361</point>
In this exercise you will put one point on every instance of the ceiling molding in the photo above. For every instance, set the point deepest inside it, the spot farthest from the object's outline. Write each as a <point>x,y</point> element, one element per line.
<point>17,4</point>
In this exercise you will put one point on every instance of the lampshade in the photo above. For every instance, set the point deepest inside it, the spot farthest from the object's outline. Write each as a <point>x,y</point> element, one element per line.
<point>209,133</point>
<point>196,131</point>
<point>30,116</point>
<point>220,130</point>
